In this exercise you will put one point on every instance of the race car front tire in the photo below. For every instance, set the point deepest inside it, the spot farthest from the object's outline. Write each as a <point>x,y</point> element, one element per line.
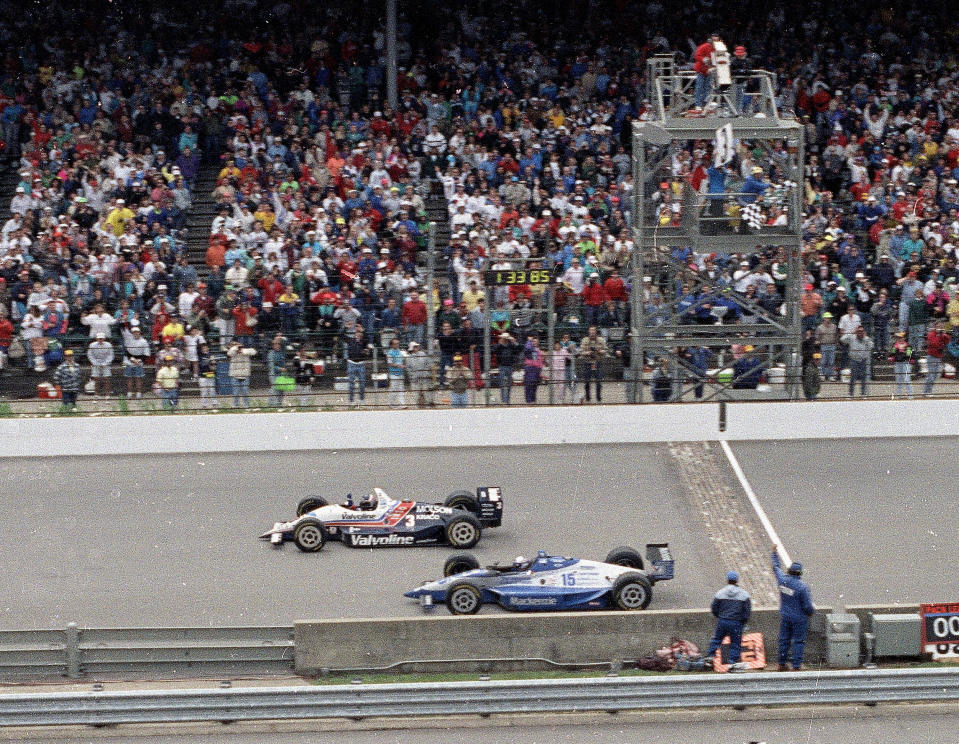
<point>631,592</point>
<point>464,531</point>
<point>309,536</point>
<point>625,556</point>
<point>460,563</point>
<point>308,504</point>
<point>463,500</point>
<point>463,599</point>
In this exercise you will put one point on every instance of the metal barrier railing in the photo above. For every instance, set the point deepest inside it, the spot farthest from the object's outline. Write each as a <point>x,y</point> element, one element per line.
<point>358,701</point>
<point>103,652</point>
<point>617,389</point>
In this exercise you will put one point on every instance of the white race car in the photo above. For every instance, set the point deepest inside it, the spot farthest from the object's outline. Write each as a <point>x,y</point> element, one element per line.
<point>380,521</point>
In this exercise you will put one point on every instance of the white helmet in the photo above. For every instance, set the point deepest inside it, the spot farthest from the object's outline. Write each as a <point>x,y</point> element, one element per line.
<point>520,562</point>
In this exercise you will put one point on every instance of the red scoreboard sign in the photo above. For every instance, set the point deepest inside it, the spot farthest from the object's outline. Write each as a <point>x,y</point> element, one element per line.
<point>940,629</point>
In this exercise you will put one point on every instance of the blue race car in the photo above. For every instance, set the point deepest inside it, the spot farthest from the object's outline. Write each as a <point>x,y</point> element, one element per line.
<point>550,582</point>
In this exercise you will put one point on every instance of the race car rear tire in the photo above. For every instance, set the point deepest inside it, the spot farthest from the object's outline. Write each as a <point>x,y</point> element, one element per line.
<point>460,563</point>
<point>463,500</point>
<point>309,503</point>
<point>631,592</point>
<point>625,556</point>
<point>463,599</point>
<point>309,536</point>
<point>464,531</point>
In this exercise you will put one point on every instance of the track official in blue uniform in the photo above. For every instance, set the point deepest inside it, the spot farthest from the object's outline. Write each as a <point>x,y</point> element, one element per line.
<point>732,607</point>
<point>795,609</point>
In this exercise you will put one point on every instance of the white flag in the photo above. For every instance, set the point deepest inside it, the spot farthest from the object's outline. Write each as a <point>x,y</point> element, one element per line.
<point>725,149</point>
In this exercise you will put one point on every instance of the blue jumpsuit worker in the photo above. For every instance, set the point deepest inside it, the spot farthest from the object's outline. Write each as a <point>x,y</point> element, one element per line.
<point>795,609</point>
<point>732,606</point>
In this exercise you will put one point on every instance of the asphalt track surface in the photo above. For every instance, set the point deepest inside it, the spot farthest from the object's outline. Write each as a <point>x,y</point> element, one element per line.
<point>171,541</point>
<point>873,520</point>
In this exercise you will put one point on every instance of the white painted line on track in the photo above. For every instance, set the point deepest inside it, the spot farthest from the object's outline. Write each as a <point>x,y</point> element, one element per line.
<point>754,500</point>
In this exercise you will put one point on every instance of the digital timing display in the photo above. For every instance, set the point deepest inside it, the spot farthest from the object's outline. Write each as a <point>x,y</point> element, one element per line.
<point>940,629</point>
<point>503,277</point>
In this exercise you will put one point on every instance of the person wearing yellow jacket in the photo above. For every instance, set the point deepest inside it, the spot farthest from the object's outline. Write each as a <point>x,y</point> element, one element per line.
<point>168,380</point>
<point>118,217</point>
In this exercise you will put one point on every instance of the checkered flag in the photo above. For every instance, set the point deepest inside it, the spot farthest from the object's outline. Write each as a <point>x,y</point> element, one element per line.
<point>752,215</point>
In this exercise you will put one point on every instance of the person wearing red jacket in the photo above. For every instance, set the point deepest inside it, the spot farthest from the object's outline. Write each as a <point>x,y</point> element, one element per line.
<point>516,291</point>
<point>702,65</point>
<point>347,269</point>
<point>546,219</point>
<point>204,303</point>
<point>244,315</point>
<point>380,126</point>
<point>508,164</point>
<point>509,213</point>
<point>6,337</point>
<point>271,287</point>
<point>821,99</point>
<point>593,298</point>
<point>414,318</point>
<point>159,321</point>
<point>615,289</point>
<point>936,341</point>
<point>324,296</point>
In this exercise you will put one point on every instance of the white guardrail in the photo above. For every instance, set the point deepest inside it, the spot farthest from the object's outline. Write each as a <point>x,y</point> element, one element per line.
<point>481,698</point>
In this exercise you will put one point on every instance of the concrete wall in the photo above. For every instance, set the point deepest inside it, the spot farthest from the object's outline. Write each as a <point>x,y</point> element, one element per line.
<point>568,637</point>
<point>517,425</point>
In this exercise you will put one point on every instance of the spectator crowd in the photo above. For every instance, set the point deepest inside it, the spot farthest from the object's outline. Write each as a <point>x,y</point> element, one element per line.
<point>521,121</point>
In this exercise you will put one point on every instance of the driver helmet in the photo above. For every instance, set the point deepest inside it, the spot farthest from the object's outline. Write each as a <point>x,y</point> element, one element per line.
<point>368,503</point>
<point>519,562</point>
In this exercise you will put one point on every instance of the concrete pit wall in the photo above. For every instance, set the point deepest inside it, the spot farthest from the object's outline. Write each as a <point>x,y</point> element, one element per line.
<point>468,644</point>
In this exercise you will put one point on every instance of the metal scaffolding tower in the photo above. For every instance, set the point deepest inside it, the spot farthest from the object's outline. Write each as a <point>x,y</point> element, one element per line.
<point>684,306</point>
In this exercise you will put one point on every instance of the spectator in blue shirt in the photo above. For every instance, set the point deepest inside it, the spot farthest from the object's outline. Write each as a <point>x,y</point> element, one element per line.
<point>753,187</point>
<point>732,607</point>
<point>715,192</point>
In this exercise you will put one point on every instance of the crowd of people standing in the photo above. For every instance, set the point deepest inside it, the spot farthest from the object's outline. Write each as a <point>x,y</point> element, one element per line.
<point>525,128</point>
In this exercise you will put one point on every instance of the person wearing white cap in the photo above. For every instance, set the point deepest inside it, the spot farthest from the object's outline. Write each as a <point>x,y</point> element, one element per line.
<point>100,355</point>
<point>461,218</point>
<point>136,350</point>
<point>119,217</point>
<point>21,202</point>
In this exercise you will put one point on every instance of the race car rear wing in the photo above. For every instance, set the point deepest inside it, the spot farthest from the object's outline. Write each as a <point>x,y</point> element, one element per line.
<point>490,500</point>
<point>658,555</point>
